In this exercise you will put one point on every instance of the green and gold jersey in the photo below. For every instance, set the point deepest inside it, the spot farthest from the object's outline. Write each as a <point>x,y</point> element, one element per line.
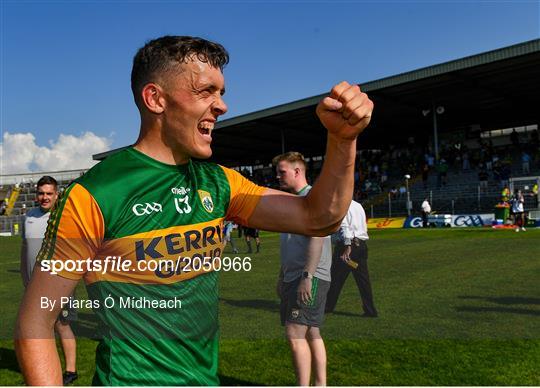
<point>158,325</point>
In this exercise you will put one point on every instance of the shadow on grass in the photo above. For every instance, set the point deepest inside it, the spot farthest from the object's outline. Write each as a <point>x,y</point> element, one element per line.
<point>345,314</point>
<point>14,270</point>
<point>504,299</point>
<point>261,304</point>
<point>9,360</point>
<point>231,381</point>
<point>510,310</point>
<point>501,300</point>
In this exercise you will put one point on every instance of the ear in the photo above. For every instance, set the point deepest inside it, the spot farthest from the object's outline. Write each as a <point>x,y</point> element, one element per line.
<point>152,98</point>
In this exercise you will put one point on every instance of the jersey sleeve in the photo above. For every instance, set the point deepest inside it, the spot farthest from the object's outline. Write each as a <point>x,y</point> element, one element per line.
<point>245,195</point>
<point>74,233</point>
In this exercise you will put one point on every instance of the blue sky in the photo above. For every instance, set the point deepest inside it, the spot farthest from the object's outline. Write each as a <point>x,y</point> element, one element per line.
<point>66,64</point>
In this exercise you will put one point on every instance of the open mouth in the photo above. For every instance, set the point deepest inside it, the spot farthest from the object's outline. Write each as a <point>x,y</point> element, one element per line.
<point>205,128</point>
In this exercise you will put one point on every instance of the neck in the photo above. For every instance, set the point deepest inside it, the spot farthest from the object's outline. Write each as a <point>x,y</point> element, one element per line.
<point>152,144</point>
<point>299,185</point>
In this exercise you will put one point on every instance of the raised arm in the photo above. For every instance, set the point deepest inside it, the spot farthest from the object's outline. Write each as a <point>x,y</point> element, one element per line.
<point>35,342</point>
<point>345,113</point>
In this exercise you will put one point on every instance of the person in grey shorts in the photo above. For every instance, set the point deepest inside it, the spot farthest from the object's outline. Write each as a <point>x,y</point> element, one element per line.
<point>294,310</point>
<point>303,282</point>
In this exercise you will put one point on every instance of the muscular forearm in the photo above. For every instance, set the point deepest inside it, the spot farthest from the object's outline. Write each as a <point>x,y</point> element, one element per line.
<point>331,195</point>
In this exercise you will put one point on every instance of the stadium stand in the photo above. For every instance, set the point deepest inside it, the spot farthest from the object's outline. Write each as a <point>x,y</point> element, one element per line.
<point>379,171</point>
<point>20,192</point>
<point>478,95</point>
<point>464,192</point>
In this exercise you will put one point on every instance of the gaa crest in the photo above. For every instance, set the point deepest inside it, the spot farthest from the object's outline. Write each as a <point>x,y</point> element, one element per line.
<point>206,200</point>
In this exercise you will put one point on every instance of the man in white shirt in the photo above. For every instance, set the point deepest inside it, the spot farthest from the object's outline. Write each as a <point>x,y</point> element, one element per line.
<point>517,209</point>
<point>33,232</point>
<point>426,209</point>
<point>350,255</point>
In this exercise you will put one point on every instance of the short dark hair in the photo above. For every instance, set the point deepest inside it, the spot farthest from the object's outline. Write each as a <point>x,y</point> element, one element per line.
<point>160,55</point>
<point>47,180</point>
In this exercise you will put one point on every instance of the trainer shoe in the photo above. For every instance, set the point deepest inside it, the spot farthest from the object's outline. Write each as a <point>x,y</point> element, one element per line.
<point>517,229</point>
<point>523,229</point>
<point>369,315</point>
<point>69,377</point>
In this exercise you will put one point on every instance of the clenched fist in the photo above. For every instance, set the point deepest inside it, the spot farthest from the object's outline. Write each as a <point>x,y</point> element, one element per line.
<point>346,112</point>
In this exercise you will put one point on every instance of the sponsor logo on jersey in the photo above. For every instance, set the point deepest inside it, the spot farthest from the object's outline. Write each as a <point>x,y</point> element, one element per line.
<point>141,209</point>
<point>205,242</point>
<point>181,203</point>
<point>206,200</point>
<point>177,243</point>
<point>180,190</point>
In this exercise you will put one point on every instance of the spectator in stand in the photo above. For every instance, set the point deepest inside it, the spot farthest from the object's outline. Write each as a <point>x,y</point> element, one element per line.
<point>514,138</point>
<point>483,177</point>
<point>497,168</point>
<point>384,179</point>
<point>525,162</point>
<point>505,174</point>
<point>517,209</point>
<point>367,185</point>
<point>402,191</point>
<point>489,163</point>
<point>466,162</point>
<point>425,175</point>
<point>442,170</point>
<point>430,159</point>
<point>393,192</point>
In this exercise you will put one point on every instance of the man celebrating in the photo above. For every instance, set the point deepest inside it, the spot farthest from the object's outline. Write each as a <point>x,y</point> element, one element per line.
<point>152,202</point>
<point>304,280</point>
<point>33,232</point>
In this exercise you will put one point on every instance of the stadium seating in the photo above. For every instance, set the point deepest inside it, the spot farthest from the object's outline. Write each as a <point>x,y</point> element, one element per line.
<point>461,194</point>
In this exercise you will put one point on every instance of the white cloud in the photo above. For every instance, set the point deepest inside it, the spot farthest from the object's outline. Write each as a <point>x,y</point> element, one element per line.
<point>19,152</point>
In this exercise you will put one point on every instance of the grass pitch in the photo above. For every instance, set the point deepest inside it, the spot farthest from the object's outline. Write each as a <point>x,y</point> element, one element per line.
<point>456,307</point>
